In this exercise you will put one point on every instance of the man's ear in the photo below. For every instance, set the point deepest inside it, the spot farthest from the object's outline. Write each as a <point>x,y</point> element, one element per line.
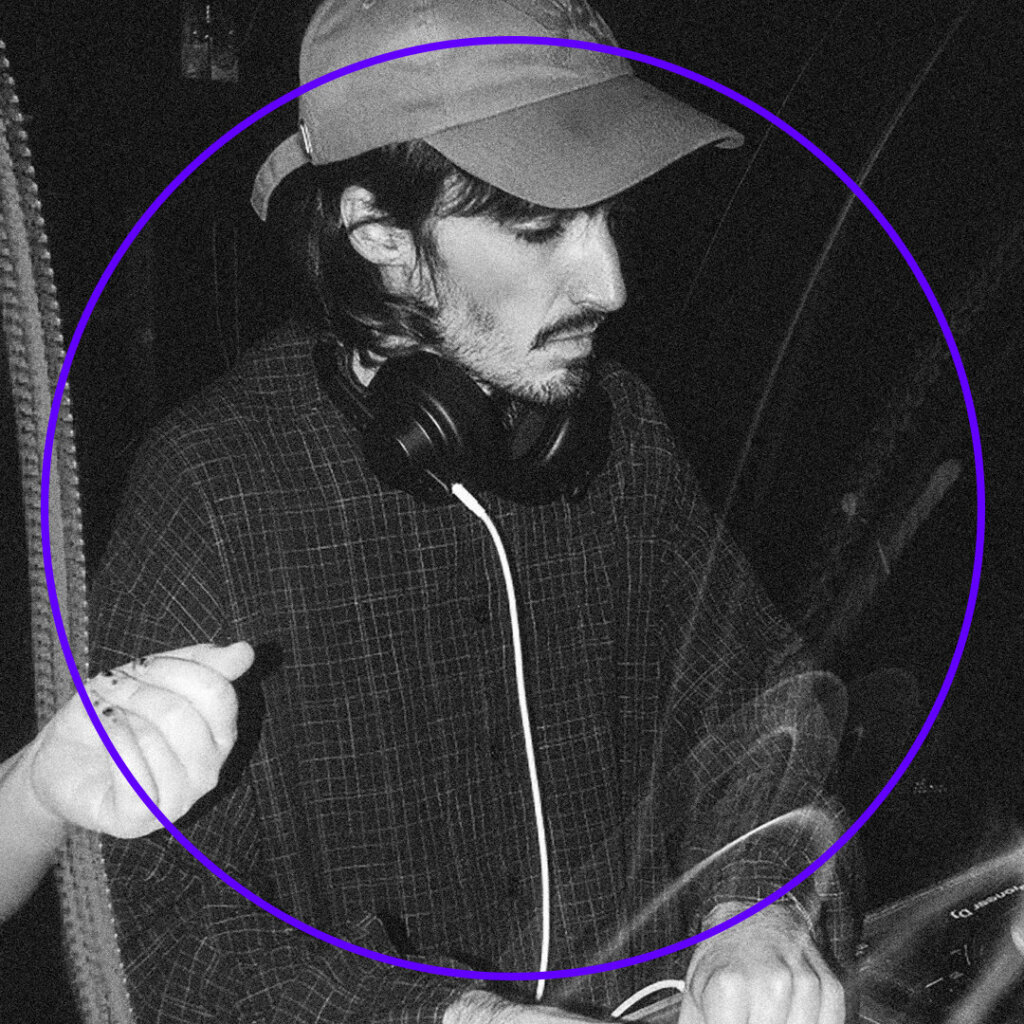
<point>372,236</point>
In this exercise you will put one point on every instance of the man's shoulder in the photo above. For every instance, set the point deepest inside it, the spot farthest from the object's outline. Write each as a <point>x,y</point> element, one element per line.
<point>270,410</point>
<point>628,392</point>
<point>263,405</point>
<point>637,416</point>
<point>272,383</point>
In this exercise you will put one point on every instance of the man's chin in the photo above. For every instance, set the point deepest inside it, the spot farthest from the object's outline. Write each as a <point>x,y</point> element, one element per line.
<point>561,387</point>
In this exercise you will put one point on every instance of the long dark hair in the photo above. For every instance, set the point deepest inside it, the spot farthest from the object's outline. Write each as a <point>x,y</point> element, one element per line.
<point>410,182</point>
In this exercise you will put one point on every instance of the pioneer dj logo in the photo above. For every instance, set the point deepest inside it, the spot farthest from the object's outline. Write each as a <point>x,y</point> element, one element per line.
<point>569,19</point>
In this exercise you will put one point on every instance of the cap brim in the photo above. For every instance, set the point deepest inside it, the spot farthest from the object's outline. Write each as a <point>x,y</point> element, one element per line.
<point>582,147</point>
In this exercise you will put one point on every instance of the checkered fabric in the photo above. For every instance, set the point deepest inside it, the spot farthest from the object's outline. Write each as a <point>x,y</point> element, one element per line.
<point>379,788</point>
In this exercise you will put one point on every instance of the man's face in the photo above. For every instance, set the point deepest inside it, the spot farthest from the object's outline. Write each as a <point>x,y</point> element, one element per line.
<point>518,304</point>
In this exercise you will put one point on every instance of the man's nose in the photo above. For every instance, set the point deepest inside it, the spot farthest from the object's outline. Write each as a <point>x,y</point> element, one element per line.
<point>597,275</point>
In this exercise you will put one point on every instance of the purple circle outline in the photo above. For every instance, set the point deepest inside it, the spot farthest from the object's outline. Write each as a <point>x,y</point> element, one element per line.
<point>964,387</point>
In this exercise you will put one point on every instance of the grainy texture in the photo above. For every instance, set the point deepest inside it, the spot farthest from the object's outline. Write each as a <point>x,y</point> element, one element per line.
<point>387,799</point>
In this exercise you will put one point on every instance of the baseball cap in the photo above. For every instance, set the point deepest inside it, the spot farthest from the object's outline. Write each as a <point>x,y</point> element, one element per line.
<point>557,126</point>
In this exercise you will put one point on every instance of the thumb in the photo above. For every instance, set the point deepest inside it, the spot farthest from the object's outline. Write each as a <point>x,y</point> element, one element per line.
<point>230,661</point>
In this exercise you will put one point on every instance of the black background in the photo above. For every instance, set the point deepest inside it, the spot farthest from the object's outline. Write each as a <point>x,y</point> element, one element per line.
<point>734,258</point>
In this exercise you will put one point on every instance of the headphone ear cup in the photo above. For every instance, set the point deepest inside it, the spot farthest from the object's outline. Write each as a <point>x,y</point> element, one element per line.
<point>429,421</point>
<point>555,452</point>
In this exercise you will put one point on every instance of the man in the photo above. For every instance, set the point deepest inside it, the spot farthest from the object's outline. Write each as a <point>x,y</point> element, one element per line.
<point>456,230</point>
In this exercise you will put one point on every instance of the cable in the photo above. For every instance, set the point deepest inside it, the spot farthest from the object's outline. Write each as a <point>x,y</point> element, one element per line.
<point>477,509</point>
<point>648,990</point>
<point>474,506</point>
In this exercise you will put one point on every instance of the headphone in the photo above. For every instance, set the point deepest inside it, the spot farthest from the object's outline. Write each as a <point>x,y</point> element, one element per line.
<point>426,424</point>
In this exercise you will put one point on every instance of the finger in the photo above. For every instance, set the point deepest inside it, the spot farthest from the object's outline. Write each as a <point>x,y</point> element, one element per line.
<point>230,661</point>
<point>115,807</point>
<point>771,997</point>
<point>205,688</point>
<point>832,1003</point>
<point>805,1006</point>
<point>194,672</point>
<point>186,733</point>
<point>177,784</point>
<point>724,998</point>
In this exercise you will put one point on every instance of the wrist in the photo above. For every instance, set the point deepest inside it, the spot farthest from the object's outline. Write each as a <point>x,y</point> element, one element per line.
<point>23,799</point>
<point>723,912</point>
<point>786,914</point>
<point>478,1006</point>
<point>30,835</point>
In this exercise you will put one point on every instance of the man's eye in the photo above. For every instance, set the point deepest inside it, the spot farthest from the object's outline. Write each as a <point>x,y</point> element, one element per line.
<point>538,235</point>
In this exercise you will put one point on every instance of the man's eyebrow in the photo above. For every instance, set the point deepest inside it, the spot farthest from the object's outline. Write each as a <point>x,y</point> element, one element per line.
<point>550,216</point>
<point>561,216</point>
<point>544,214</point>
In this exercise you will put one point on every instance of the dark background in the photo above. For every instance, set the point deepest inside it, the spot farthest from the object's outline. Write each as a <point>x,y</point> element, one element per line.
<point>738,262</point>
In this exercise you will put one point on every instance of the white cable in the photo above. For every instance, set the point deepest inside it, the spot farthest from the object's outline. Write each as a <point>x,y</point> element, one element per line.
<point>647,990</point>
<point>477,509</point>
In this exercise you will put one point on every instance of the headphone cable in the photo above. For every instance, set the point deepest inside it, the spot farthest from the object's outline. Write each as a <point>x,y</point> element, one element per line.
<point>474,506</point>
<point>477,509</point>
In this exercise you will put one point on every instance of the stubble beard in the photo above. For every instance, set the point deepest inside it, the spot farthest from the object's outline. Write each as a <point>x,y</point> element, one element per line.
<point>471,338</point>
<point>563,389</point>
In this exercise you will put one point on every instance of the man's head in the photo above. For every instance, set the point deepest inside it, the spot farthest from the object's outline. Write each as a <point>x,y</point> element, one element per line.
<point>406,251</point>
<point>462,193</point>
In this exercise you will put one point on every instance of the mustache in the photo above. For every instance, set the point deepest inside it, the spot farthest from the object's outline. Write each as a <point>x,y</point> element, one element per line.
<point>582,322</point>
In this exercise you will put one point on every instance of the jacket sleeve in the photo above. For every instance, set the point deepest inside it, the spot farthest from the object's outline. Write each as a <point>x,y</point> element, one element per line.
<point>750,729</point>
<point>194,949</point>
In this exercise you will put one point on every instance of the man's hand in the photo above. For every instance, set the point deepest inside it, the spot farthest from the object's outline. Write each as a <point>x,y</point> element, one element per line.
<point>171,717</point>
<point>765,970</point>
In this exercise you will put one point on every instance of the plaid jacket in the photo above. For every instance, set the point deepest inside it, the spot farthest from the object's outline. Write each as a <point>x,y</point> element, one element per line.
<point>379,787</point>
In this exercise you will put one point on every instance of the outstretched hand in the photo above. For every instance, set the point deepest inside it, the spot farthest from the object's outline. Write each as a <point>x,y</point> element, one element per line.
<point>172,719</point>
<point>765,970</point>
